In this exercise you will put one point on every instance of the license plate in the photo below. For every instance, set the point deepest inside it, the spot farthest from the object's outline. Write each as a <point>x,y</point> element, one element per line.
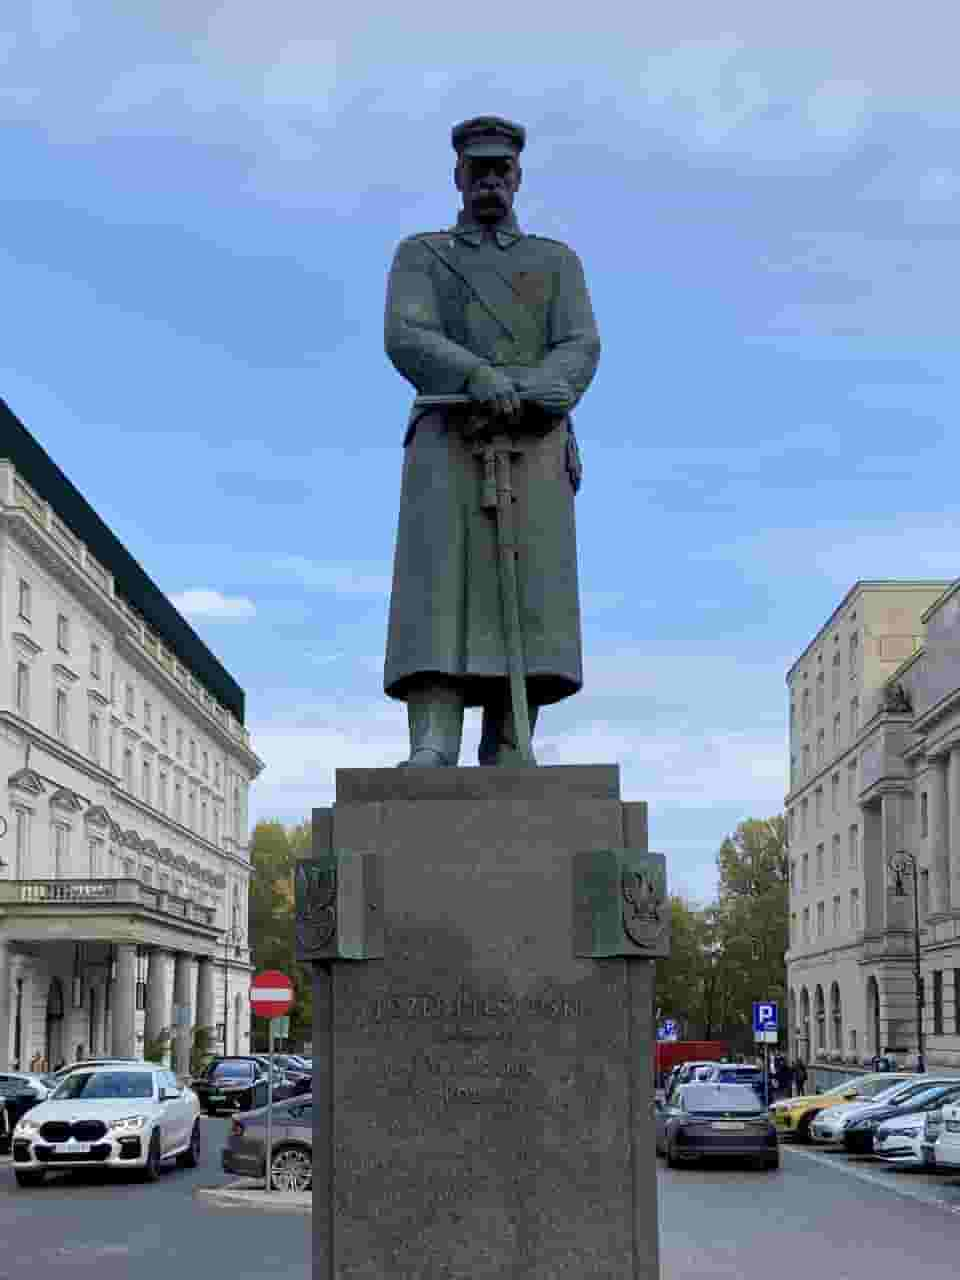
<point>69,1148</point>
<point>728,1124</point>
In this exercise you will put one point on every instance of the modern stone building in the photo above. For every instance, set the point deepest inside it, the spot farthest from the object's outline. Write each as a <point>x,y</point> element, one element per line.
<point>874,773</point>
<point>125,768</point>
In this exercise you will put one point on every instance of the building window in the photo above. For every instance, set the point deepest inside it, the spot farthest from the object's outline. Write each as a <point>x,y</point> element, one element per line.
<point>852,781</point>
<point>162,795</point>
<point>938,1002</point>
<point>805,704</point>
<point>835,793</point>
<point>203,821</point>
<point>793,873</point>
<point>855,909</point>
<point>95,668</point>
<point>63,633</point>
<point>22,693</point>
<point>854,651</point>
<point>836,913</point>
<point>129,698</point>
<point>924,816</point>
<point>853,1042</point>
<point>206,765</point>
<point>820,746</point>
<point>836,732</point>
<point>805,871</point>
<point>818,805</point>
<point>179,744</point>
<point>24,605</point>
<point>854,717</point>
<point>216,825</point>
<point>22,846</point>
<point>821,919</point>
<point>60,715</point>
<point>806,761</point>
<point>147,717</point>
<point>216,775</point>
<point>178,802</point>
<point>956,1001</point>
<point>193,754</point>
<point>128,769</point>
<point>804,814</point>
<point>819,693</point>
<point>146,790</point>
<point>163,730</point>
<point>835,847</point>
<point>95,737</point>
<point>192,809</point>
<point>806,924</point>
<point>925,893</point>
<point>854,847</point>
<point>61,850</point>
<point>819,864</point>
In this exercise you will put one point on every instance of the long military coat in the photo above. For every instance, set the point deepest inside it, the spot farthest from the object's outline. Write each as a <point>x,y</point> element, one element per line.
<point>457,300</point>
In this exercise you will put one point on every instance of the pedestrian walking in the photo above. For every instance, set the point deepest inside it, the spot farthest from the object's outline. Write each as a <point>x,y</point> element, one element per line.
<point>800,1076</point>
<point>786,1079</point>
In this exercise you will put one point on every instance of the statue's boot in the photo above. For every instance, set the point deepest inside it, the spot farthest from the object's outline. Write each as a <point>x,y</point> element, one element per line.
<point>498,735</point>
<point>435,717</point>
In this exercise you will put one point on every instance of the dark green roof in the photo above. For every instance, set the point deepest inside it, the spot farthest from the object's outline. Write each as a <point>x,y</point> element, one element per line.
<point>130,581</point>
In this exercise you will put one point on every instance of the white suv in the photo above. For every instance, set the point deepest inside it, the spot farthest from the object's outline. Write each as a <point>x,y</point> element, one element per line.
<point>117,1116</point>
<point>946,1148</point>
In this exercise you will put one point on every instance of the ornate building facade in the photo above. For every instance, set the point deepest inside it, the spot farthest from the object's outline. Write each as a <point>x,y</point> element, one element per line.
<point>873,822</point>
<point>124,857</point>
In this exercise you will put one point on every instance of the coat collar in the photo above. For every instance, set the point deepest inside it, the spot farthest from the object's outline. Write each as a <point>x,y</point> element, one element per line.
<point>471,233</point>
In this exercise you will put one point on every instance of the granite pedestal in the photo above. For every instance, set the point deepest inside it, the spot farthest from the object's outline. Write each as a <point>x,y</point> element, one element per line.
<point>482,1092</point>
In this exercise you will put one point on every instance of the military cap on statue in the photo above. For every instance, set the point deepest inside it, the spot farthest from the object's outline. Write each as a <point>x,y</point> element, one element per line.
<point>489,136</point>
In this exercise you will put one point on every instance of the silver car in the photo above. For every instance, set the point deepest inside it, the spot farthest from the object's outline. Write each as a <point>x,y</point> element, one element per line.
<point>830,1123</point>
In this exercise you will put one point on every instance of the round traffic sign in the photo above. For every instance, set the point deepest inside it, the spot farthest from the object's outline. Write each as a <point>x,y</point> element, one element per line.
<point>271,994</point>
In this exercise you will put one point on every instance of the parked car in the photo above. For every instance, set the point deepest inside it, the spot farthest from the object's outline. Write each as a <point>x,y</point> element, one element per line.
<point>859,1133</point>
<point>291,1159</point>
<point>19,1091</point>
<point>683,1074</point>
<point>793,1116</point>
<point>298,1074</point>
<point>129,1116</point>
<point>236,1084</point>
<point>830,1125</point>
<point>715,1120</point>
<point>282,1084</point>
<point>732,1073</point>
<point>946,1147</point>
<point>53,1078</point>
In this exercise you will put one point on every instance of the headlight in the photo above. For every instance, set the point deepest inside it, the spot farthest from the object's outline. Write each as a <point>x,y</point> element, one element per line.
<point>130,1124</point>
<point>25,1128</point>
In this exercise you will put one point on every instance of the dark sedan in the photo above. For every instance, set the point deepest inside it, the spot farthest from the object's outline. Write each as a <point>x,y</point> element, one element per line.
<point>858,1131</point>
<point>231,1084</point>
<point>291,1159</point>
<point>299,1075</point>
<point>19,1091</point>
<point>718,1120</point>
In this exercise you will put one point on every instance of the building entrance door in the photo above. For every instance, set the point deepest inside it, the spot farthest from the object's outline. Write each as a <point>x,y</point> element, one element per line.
<point>53,1040</point>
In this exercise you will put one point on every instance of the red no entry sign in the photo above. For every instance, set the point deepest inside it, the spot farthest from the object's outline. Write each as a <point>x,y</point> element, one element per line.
<point>271,994</point>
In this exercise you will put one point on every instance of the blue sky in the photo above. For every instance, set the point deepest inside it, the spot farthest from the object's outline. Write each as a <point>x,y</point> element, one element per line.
<point>201,203</point>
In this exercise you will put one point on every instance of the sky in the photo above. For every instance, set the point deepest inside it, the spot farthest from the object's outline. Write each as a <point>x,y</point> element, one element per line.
<point>201,201</point>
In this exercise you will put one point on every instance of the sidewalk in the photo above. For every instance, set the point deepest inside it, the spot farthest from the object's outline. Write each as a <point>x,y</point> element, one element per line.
<point>251,1193</point>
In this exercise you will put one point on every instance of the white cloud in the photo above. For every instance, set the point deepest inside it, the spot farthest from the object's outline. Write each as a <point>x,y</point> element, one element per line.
<point>203,604</point>
<point>346,580</point>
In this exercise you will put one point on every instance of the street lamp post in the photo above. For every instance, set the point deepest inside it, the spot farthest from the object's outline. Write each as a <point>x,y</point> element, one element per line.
<point>904,864</point>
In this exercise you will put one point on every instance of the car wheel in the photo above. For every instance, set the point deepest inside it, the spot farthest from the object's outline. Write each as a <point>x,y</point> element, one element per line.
<point>291,1169</point>
<point>29,1177</point>
<point>190,1158</point>
<point>151,1170</point>
<point>803,1128</point>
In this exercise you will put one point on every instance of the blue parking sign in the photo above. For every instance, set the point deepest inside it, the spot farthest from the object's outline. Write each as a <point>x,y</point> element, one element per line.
<point>764,1016</point>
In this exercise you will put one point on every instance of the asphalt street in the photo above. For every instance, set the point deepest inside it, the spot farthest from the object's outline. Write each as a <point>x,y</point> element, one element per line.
<point>821,1215</point>
<point>108,1226</point>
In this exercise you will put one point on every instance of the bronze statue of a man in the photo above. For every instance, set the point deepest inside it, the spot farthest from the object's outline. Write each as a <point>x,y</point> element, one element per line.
<point>503,321</point>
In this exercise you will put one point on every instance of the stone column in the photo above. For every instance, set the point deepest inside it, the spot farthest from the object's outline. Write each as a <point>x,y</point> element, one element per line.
<point>206,1003</point>
<point>939,832</point>
<point>953,829</point>
<point>184,995</point>
<point>159,995</point>
<point>123,999</point>
<point>6,1006</point>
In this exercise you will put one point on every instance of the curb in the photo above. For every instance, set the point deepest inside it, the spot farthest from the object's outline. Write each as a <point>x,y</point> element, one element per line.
<point>250,1193</point>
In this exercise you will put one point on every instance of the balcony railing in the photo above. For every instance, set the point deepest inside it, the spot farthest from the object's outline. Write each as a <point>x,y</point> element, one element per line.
<point>74,893</point>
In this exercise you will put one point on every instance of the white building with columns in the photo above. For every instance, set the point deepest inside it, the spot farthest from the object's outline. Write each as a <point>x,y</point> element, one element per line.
<point>875,778</point>
<point>125,767</point>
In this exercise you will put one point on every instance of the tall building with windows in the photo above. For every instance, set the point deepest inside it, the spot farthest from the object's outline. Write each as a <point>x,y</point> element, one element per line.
<point>874,705</point>
<point>125,864</point>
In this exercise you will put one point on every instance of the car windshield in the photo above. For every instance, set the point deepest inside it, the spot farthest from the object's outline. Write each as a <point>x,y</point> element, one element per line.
<point>877,1088</point>
<point>711,1097</point>
<point>105,1084</point>
<point>232,1070</point>
<point>736,1075</point>
<point>10,1086</point>
<point>901,1092</point>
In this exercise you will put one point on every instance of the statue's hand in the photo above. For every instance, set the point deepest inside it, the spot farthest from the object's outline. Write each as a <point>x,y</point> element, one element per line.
<point>495,392</point>
<point>550,393</point>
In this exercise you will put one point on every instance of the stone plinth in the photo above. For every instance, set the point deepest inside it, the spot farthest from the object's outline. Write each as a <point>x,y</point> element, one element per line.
<point>482,1094</point>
